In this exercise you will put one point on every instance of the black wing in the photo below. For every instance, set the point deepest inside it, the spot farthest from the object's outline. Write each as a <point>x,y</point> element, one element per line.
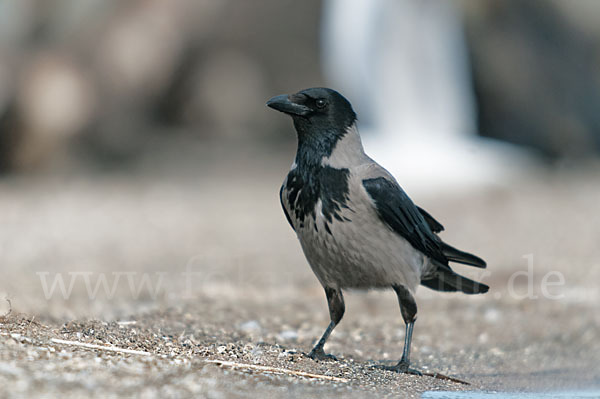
<point>434,225</point>
<point>397,210</point>
<point>287,216</point>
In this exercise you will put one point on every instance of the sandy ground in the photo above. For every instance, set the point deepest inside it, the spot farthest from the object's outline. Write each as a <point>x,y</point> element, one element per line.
<point>200,265</point>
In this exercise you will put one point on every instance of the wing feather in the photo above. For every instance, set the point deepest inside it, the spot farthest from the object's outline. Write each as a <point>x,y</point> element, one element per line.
<point>434,225</point>
<point>397,210</point>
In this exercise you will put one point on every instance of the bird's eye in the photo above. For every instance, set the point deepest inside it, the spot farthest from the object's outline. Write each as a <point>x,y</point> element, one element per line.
<point>321,103</point>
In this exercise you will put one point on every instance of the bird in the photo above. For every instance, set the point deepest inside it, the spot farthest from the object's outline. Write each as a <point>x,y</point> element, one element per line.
<point>357,227</point>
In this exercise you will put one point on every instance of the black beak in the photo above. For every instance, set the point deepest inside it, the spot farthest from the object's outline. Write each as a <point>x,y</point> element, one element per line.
<point>283,104</point>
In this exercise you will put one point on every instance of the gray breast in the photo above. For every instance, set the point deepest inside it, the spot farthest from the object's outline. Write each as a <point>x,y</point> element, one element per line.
<point>355,249</point>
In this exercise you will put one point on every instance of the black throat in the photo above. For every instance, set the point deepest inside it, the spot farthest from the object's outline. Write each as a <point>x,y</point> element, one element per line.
<point>315,143</point>
<point>311,181</point>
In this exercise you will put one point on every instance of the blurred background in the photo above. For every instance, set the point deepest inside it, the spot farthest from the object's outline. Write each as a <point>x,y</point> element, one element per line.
<point>104,82</point>
<point>134,138</point>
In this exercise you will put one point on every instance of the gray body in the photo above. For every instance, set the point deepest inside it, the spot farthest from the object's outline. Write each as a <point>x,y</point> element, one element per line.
<point>361,251</point>
<point>357,227</point>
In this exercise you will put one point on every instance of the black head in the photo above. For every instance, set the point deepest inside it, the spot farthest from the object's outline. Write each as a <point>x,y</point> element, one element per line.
<point>316,111</point>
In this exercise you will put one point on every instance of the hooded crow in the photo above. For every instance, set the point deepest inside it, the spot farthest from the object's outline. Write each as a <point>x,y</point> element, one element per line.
<point>357,227</point>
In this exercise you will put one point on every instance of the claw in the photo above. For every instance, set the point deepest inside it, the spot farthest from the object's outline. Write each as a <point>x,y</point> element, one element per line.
<point>401,367</point>
<point>319,354</point>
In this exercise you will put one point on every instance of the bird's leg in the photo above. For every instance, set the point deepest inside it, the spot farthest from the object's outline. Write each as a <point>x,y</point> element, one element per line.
<point>408,308</point>
<point>403,365</point>
<point>335,301</point>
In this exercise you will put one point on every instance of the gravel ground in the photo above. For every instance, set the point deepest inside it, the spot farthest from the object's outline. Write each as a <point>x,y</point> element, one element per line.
<point>200,265</point>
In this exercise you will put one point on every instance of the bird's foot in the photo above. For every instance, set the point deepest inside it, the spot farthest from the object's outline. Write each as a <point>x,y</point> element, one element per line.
<point>319,354</point>
<point>401,367</point>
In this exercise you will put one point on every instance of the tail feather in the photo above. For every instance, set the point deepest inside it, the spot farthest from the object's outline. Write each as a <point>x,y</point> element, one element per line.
<point>448,281</point>
<point>456,255</point>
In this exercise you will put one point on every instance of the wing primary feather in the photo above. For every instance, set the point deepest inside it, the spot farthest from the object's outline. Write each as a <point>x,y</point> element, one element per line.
<point>456,255</point>
<point>434,225</point>
<point>398,211</point>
